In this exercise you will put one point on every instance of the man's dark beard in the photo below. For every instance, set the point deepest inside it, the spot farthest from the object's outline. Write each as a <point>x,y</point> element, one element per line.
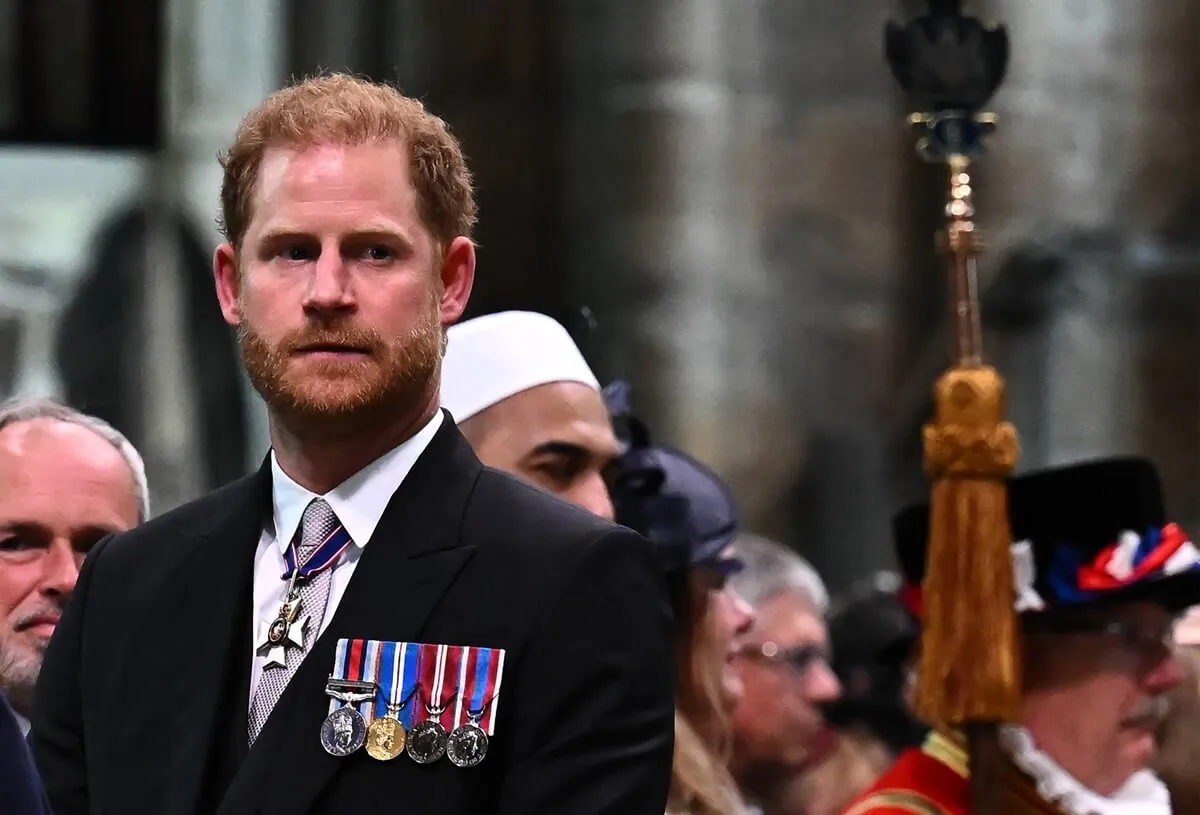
<point>389,379</point>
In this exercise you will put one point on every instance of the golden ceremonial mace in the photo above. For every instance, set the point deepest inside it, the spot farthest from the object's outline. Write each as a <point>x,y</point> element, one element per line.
<point>951,65</point>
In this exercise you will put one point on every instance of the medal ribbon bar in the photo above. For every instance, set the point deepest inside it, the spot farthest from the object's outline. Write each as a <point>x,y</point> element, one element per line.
<point>371,667</point>
<point>438,662</point>
<point>479,684</point>
<point>349,669</point>
<point>398,682</point>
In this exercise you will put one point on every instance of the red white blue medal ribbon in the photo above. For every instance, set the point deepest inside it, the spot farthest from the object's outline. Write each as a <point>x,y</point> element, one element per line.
<point>479,688</point>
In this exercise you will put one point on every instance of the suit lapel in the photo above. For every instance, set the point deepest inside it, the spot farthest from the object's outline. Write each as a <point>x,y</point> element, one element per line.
<point>409,563</point>
<point>211,597</point>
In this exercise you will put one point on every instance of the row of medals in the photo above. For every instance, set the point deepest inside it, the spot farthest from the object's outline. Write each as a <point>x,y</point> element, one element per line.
<point>345,731</point>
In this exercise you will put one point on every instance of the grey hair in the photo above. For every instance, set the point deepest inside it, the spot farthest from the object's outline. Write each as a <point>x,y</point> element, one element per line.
<point>27,408</point>
<point>773,569</point>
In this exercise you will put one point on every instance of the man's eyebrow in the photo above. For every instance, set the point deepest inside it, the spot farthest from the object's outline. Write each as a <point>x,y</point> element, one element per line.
<point>285,232</point>
<point>559,448</point>
<point>22,527</point>
<point>27,527</point>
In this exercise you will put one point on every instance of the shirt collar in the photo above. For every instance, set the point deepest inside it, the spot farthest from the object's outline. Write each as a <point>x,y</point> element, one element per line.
<point>359,501</point>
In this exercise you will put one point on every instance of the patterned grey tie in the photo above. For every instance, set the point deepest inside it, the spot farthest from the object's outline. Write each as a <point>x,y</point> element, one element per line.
<point>316,526</point>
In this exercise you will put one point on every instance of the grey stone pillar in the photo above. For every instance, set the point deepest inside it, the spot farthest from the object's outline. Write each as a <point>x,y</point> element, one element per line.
<point>662,205</point>
<point>733,219</point>
<point>223,58</point>
<point>1089,161</point>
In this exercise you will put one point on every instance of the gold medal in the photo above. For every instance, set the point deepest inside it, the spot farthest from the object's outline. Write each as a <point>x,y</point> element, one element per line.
<point>385,738</point>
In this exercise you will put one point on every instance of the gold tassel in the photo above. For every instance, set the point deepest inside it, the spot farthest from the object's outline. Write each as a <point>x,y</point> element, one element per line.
<point>970,659</point>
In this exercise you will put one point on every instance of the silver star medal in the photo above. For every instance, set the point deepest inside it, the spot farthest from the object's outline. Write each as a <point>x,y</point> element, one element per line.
<point>286,629</point>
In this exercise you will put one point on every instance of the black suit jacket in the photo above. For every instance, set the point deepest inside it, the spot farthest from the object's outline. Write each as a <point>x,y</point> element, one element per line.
<point>20,788</point>
<point>142,702</point>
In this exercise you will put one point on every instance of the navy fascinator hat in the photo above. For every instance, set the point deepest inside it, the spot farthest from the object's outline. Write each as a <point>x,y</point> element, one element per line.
<point>683,508</point>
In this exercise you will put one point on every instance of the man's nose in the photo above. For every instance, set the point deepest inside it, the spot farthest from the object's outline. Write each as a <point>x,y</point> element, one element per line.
<point>1165,675</point>
<point>330,288</point>
<point>60,569</point>
<point>591,493</point>
<point>822,684</point>
<point>742,613</point>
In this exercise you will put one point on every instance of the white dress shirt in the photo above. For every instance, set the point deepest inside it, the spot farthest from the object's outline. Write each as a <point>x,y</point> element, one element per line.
<point>22,723</point>
<point>358,502</point>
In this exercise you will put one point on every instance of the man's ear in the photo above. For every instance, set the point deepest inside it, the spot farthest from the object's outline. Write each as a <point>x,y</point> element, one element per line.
<point>228,284</point>
<point>458,278</point>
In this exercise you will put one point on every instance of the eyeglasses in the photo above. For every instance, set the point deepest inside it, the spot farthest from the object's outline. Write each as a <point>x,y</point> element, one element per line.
<point>1138,637</point>
<point>800,658</point>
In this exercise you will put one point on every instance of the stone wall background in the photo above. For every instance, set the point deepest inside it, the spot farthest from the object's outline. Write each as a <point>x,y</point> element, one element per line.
<point>729,189</point>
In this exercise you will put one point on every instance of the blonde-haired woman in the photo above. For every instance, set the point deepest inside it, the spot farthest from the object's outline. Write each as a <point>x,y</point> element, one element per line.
<point>688,514</point>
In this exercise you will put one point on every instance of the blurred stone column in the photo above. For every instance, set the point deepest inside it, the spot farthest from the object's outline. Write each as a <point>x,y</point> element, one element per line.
<point>223,57</point>
<point>320,35</point>
<point>732,197</point>
<point>664,128</point>
<point>1091,160</point>
<point>1063,161</point>
<point>1069,344</point>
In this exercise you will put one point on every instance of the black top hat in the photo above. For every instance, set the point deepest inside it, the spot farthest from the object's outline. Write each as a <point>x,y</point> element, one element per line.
<point>1083,535</point>
<point>677,503</point>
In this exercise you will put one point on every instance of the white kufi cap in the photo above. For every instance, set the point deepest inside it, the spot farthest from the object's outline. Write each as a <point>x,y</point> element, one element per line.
<point>493,357</point>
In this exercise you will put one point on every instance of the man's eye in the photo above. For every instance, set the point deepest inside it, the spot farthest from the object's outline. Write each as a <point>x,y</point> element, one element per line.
<point>561,471</point>
<point>379,253</point>
<point>17,543</point>
<point>295,253</point>
<point>557,470</point>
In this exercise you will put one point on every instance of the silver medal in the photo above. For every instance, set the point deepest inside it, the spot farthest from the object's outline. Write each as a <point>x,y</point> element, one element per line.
<point>343,732</point>
<point>427,741</point>
<point>285,630</point>
<point>467,745</point>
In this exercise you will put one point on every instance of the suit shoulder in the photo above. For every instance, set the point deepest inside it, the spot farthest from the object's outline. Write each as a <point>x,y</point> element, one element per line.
<point>527,509</point>
<point>187,520</point>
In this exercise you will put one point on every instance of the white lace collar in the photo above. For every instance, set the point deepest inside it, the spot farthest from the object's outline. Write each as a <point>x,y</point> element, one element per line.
<point>1143,794</point>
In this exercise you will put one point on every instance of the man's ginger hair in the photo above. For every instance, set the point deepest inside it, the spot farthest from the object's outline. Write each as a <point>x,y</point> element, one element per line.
<point>344,110</point>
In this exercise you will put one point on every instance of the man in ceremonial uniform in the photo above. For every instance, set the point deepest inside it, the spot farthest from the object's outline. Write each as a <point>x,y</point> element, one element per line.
<point>1099,576</point>
<point>373,621</point>
<point>526,400</point>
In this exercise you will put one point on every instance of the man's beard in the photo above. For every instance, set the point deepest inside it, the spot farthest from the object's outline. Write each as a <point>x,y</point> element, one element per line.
<point>19,670</point>
<point>344,398</point>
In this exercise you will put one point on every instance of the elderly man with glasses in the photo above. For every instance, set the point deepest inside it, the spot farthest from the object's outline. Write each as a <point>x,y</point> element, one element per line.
<point>779,727</point>
<point>1100,576</point>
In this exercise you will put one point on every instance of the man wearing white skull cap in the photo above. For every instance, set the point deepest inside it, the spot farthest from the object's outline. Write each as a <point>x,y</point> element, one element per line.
<point>524,397</point>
